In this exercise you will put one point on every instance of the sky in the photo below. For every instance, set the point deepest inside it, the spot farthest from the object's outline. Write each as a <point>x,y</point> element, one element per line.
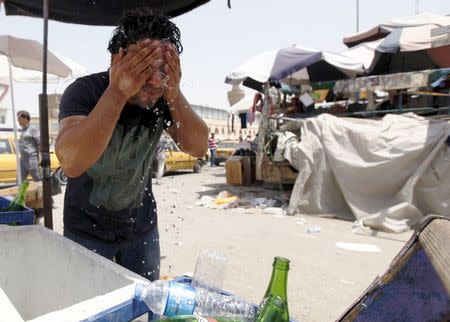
<point>217,39</point>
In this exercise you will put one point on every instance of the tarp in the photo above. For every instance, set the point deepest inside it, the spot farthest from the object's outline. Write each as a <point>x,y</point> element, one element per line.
<point>294,65</point>
<point>383,29</point>
<point>387,173</point>
<point>364,52</point>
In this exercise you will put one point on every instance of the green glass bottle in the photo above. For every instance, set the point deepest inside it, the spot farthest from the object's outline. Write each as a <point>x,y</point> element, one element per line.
<point>192,318</point>
<point>273,310</point>
<point>275,301</point>
<point>18,203</point>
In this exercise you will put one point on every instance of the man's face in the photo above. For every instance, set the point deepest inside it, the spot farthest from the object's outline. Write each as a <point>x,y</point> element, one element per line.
<point>22,121</point>
<point>155,85</point>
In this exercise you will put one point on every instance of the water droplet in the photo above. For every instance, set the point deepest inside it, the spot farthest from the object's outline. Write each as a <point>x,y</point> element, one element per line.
<point>145,243</point>
<point>143,262</point>
<point>151,222</point>
<point>94,250</point>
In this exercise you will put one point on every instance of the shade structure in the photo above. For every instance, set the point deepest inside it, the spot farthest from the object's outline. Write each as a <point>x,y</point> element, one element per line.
<point>20,60</point>
<point>97,12</point>
<point>243,105</point>
<point>294,65</point>
<point>382,30</point>
<point>408,49</point>
<point>25,56</point>
<point>364,52</point>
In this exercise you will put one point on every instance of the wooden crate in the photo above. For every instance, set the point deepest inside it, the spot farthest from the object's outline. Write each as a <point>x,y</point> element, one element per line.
<point>416,286</point>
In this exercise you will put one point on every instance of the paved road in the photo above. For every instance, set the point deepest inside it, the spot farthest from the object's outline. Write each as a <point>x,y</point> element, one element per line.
<point>323,280</point>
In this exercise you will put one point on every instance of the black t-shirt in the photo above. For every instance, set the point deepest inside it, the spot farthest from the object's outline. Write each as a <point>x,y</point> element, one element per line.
<point>113,199</point>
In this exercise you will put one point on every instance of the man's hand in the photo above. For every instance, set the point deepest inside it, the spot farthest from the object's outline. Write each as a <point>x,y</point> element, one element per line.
<point>129,70</point>
<point>173,71</point>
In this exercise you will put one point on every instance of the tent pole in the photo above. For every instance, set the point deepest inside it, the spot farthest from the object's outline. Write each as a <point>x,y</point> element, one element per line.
<point>16,141</point>
<point>43,122</point>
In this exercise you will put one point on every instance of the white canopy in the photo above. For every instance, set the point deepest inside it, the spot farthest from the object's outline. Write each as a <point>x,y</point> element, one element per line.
<point>385,28</point>
<point>364,52</point>
<point>295,65</point>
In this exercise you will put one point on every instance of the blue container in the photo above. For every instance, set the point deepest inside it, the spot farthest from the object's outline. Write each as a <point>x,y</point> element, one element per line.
<point>25,217</point>
<point>188,280</point>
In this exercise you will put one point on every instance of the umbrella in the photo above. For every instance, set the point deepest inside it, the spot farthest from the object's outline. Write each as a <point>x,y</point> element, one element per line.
<point>96,12</point>
<point>242,106</point>
<point>364,52</point>
<point>24,56</point>
<point>20,60</point>
<point>82,12</point>
<point>407,49</point>
<point>294,65</point>
<point>382,30</point>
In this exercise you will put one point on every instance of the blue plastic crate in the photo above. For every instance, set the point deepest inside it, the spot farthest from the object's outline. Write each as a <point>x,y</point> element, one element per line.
<point>25,217</point>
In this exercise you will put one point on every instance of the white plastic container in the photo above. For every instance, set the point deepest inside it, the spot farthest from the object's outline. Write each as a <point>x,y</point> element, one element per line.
<point>46,277</point>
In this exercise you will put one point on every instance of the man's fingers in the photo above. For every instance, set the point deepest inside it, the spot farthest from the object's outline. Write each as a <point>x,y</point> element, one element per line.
<point>153,61</point>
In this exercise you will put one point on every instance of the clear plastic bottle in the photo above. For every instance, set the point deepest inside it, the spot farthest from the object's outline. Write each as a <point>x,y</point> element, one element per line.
<point>172,299</point>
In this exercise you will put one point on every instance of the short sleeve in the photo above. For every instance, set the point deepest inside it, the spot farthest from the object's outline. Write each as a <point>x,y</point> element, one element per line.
<point>76,100</point>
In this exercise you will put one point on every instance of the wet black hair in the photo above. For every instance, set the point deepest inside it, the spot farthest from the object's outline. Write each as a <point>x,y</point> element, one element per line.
<point>140,23</point>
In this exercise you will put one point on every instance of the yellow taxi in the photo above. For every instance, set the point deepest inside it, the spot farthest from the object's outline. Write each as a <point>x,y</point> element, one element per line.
<point>175,160</point>
<point>225,149</point>
<point>8,161</point>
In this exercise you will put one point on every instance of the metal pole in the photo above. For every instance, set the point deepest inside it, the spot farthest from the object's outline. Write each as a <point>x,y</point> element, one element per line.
<point>357,15</point>
<point>16,141</point>
<point>43,121</point>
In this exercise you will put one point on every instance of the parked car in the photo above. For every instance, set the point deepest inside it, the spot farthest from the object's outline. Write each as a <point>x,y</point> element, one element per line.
<point>225,149</point>
<point>8,161</point>
<point>179,160</point>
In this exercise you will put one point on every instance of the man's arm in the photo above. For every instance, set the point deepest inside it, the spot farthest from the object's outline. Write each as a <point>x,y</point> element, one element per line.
<point>81,140</point>
<point>188,130</point>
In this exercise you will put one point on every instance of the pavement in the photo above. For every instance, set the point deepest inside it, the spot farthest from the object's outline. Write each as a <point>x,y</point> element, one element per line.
<point>325,276</point>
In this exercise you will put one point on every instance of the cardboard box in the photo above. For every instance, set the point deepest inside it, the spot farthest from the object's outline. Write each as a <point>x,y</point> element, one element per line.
<point>234,170</point>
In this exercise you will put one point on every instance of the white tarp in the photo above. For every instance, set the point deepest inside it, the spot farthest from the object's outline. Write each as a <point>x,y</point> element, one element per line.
<point>387,173</point>
<point>387,27</point>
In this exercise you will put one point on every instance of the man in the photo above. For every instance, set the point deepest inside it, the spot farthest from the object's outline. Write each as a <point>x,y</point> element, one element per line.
<point>28,147</point>
<point>110,125</point>
<point>161,159</point>
<point>212,148</point>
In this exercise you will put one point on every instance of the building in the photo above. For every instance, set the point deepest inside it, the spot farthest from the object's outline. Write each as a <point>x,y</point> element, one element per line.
<point>220,121</point>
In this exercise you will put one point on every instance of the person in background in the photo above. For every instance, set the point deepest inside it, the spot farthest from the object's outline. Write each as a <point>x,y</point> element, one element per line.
<point>110,124</point>
<point>29,147</point>
<point>212,149</point>
<point>161,158</point>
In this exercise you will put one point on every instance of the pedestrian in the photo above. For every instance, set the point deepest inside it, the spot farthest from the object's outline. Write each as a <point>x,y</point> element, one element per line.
<point>161,159</point>
<point>110,125</point>
<point>29,147</point>
<point>212,149</point>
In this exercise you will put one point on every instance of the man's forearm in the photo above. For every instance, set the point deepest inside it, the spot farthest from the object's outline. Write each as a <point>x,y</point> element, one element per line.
<point>81,143</point>
<point>188,130</point>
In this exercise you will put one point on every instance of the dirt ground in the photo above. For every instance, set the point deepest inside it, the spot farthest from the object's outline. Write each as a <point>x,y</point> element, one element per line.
<point>323,278</point>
